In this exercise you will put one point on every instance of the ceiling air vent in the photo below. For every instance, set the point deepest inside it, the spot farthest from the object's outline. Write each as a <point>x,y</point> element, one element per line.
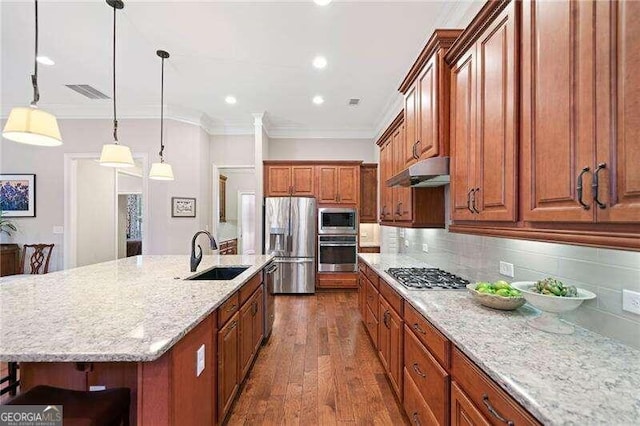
<point>354,102</point>
<point>88,91</point>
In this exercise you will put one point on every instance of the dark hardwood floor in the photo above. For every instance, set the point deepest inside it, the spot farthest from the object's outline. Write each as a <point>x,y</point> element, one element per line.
<point>318,368</point>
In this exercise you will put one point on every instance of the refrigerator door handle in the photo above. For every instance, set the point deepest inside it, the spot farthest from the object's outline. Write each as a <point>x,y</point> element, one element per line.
<point>293,261</point>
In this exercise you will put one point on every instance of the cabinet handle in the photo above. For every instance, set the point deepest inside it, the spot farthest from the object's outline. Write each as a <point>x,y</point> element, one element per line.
<point>399,210</point>
<point>416,368</point>
<point>382,212</point>
<point>232,308</point>
<point>386,319</point>
<point>469,200</point>
<point>233,325</point>
<point>416,420</point>
<point>596,183</point>
<point>494,413</point>
<point>473,201</point>
<point>415,150</point>
<point>579,189</point>
<point>417,328</point>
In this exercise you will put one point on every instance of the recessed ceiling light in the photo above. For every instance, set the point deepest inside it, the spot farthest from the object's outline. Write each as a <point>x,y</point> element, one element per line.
<point>318,100</point>
<point>322,2</point>
<point>45,60</point>
<point>320,62</point>
<point>230,100</point>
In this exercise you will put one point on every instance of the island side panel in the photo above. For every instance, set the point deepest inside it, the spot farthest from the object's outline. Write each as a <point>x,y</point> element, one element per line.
<point>59,374</point>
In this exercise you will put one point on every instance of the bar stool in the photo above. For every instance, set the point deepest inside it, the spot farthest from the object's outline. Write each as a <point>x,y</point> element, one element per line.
<point>82,408</point>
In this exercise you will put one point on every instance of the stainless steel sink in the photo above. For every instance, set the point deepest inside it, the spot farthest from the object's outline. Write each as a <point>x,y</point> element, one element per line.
<point>220,273</point>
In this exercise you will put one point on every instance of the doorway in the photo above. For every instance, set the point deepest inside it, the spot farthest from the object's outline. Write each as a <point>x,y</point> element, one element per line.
<point>130,210</point>
<point>236,206</point>
<point>246,222</point>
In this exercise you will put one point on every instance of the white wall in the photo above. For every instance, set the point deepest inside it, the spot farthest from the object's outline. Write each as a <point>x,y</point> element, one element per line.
<point>232,150</point>
<point>129,184</point>
<point>322,149</point>
<point>187,150</point>
<point>95,212</point>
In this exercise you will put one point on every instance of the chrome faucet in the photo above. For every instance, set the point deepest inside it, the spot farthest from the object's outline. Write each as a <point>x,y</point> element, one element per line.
<point>196,259</point>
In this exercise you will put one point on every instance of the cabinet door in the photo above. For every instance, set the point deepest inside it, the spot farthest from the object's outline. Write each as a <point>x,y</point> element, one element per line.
<point>246,338</point>
<point>463,121</point>
<point>327,177</point>
<point>368,193</point>
<point>395,360</point>
<point>258,319</point>
<point>383,333</point>
<point>428,140</point>
<point>279,181</point>
<point>495,147</point>
<point>398,149</point>
<point>348,184</point>
<point>227,365</point>
<point>386,193</point>
<point>618,93</point>
<point>412,122</point>
<point>402,197</point>
<point>558,119</point>
<point>463,412</point>
<point>302,180</point>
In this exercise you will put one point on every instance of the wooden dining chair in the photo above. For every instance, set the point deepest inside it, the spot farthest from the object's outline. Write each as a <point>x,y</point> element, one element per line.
<point>40,255</point>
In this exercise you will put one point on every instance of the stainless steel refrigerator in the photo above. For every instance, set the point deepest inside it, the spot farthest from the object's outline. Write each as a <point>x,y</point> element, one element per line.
<point>290,235</point>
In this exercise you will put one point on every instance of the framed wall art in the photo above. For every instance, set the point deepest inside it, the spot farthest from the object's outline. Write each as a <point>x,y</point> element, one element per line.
<point>183,207</point>
<point>18,195</point>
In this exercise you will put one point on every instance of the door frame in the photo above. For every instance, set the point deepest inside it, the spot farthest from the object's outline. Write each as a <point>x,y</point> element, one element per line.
<point>240,239</point>
<point>70,204</point>
<point>215,193</point>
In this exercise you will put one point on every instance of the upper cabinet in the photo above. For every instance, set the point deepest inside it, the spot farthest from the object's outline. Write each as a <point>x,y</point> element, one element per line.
<point>484,120</point>
<point>283,180</point>
<point>580,152</point>
<point>338,184</point>
<point>368,193</point>
<point>426,101</point>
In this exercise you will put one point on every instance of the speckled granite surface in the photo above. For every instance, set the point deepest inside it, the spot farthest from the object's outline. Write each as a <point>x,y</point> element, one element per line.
<point>132,309</point>
<point>580,379</point>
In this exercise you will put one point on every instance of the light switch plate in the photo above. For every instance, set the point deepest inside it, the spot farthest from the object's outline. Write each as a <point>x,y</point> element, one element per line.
<point>631,301</point>
<point>425,248</point>
<point>58,230</point>
<point>506,269</point>
<point>200,361</point>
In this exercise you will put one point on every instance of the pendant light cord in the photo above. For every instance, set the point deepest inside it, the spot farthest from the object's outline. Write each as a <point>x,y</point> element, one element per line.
<point>115,119</point>
<point>162,113</point>
<point>34,76</point>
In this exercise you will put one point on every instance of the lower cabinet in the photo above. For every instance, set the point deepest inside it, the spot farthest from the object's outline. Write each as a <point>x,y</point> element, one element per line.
<point>228,360</point>
<point>463,412</point>
<point>337,280</point>
<point>390,344</point>
<point>251,330</point>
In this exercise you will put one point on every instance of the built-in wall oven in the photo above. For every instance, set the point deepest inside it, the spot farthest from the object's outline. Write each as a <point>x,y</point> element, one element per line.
<point>338,221</point>
<point>337,253</point>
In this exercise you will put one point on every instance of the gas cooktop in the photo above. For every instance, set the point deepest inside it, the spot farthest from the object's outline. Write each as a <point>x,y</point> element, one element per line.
<point>427,279</point>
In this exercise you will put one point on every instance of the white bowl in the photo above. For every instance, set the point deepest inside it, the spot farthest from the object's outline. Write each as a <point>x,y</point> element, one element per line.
<point>554,304</point>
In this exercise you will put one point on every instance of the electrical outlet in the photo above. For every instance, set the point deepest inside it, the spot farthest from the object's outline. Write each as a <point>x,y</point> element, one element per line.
<point>631,301</point>
<point>506,269</point>
<point>200,361</point>
<point>97,388</point>
<point>425,248</point>
<point>406,243</point>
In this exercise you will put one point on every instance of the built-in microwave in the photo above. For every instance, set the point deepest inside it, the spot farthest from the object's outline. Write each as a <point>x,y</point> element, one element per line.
<point>332,220</point>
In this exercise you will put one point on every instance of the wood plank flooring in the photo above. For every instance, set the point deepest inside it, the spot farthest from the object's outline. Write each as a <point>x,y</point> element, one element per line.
<point>318,368</point>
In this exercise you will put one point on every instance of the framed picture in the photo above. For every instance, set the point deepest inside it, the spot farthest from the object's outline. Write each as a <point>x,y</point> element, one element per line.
<point>18,195</point>
<point>183,207</point>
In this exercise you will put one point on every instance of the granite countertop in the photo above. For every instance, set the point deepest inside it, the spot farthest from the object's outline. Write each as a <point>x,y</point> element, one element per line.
<point>132,309</point>
<point>579,379</point>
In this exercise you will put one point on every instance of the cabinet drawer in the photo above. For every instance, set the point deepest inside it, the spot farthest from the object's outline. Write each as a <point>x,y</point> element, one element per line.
<point>435,341</point>
<point>431,379</point>
<point>228,308</point>
<point>372,326</point>
<point>392,297</point>
<point>362,267</point>
<point>414,405</point>
<point>373,277</point>
<point>250,286</point>
<point>484,393</point>
<point>372,298</point>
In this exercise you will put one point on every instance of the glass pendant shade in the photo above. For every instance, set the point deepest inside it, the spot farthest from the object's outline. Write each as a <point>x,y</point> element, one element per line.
<point>161,171</point>
<point>114,155</point>
<point>32,126</point>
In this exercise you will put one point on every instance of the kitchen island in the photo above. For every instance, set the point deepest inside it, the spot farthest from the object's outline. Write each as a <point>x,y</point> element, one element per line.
<point>583,378</point>
<point>137,322</point>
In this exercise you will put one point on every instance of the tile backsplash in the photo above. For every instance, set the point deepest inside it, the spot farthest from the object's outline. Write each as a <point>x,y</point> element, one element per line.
<point>602,271</point>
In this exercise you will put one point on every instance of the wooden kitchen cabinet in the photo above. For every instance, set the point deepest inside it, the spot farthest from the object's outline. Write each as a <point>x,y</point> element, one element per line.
<point>426,100</point>
<point>463,412</point>
<point>285,179</point>
<point>591,128</point>
<point>228,365</point>
<point>338,184</point>
<point>390,347</point>
<point>9,259</point>
<point>484,120</point>
<point>402,197</point>
<point>368,193</point>
<point>251,331</point>
<point>386,193</point>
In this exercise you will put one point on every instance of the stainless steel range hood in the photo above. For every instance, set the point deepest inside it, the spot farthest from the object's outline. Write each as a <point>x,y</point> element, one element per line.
<point>430,172</point>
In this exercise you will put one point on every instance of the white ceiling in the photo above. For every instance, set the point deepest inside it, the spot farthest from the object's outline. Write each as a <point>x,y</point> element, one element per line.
<point>260,52</point>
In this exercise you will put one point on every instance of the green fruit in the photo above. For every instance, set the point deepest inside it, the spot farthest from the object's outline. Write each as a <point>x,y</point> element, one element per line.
<point>482,285</point>
<point>514,293</point>
<point>504,292</point>
<point>498,285</point>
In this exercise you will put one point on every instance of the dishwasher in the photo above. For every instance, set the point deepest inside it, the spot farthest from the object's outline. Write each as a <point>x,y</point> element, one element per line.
<point>269,300</point>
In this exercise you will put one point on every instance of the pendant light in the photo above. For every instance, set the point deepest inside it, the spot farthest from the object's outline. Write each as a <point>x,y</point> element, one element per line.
<point>30,125</point>
<point>161,170</point>
<point>114,154</point>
